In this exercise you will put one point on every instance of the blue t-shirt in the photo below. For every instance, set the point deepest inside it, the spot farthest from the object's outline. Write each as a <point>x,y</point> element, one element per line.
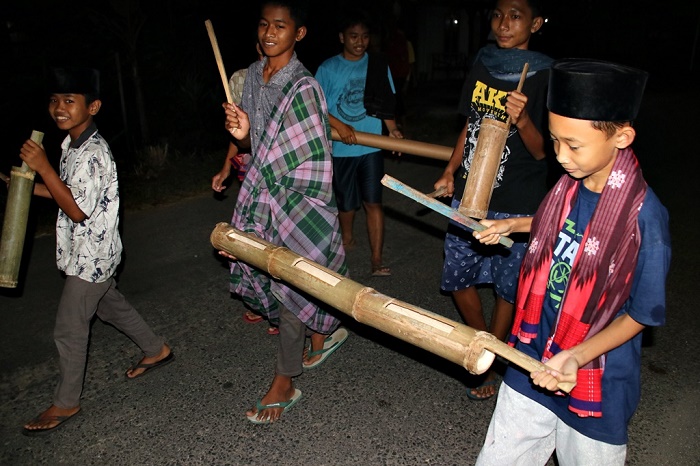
<point>343,83</point>
<point>646,305</point>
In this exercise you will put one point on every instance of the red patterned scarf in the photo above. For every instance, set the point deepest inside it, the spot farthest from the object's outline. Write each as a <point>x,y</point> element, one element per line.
<point>601,276</point>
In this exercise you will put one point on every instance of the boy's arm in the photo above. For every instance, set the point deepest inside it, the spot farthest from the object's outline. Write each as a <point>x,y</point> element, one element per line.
<point>563,367</point>
<point>238,124</point>
<point>41,190</point>
<point>217,181</point>
<point>33,154</point>
<point>497,228</point>
<point>516,109</point>
<point>345,131</point>
<point>393,129</point>
<point>447,179</point>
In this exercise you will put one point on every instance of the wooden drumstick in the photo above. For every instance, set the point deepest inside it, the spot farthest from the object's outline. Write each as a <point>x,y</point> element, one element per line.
<point>219,60</point>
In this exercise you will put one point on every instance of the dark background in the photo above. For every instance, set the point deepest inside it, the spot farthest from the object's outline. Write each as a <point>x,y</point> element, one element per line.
<point>156,56</point>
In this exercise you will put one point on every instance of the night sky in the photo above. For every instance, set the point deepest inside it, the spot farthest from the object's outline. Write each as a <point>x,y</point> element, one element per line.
<point>168,43</point>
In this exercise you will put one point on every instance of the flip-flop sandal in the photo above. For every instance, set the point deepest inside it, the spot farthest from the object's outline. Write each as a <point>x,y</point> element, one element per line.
<point>330,344</point>
<point>38,432</point>
<point>285,405</point>
<point>252,318</point>
<point>380,271</point>
<point>273,331</point>
<point>488,383</point>
<point>150,367</point>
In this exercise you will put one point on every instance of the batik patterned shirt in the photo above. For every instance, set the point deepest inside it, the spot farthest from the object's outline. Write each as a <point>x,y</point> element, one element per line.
<point>91,249</point>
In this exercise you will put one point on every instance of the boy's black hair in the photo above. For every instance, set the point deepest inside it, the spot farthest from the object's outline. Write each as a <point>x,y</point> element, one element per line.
<point>536,6</point>
<point>609,127</point>
<point>298,9</point>
<point>352,17</point>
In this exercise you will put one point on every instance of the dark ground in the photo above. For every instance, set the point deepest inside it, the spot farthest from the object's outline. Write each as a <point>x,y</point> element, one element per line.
<point>376,401</point>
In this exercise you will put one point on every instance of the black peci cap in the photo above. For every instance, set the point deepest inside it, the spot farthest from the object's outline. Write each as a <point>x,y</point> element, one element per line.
<point>595,90</point>
<point>74,80</point>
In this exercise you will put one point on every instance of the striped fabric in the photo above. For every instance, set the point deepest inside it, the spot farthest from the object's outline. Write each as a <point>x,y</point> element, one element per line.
<point>287,199</point>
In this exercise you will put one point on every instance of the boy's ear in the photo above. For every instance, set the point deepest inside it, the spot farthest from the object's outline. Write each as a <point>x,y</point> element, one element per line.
<point>301,33</point>
<point>624,137</point>
<point>341,37</point>
<point>94,107</point>
<point>536,24</point>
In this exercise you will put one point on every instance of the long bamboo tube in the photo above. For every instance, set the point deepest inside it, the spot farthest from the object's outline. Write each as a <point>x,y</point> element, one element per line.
<point>14,227</point>
<point>437,206</point>
<point>405,146</point>
<point>493,135</point>
<point>463,345</point>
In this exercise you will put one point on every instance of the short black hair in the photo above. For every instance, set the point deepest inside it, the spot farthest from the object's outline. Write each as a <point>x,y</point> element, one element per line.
<point>352,17</point>
<point>536,6</point>
<point>298,9</point>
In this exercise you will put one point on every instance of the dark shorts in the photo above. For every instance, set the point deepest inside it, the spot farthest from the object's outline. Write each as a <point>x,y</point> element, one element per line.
<point>469,263</point>
<point>357,180</point>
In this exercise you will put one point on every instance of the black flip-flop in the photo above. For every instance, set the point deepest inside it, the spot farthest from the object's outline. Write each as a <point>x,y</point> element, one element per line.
<point>39,432</point>
<point>150,367</point>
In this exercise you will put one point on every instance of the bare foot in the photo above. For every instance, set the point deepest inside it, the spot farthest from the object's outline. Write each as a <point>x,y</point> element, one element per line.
<point>136,371</point>
<point>281,390</point>
<point>50,418</point>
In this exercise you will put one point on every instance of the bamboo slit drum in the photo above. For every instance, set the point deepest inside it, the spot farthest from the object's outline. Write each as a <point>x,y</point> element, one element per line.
<point>14,227</point>
<point>456,342</point>
<point>493,135</point>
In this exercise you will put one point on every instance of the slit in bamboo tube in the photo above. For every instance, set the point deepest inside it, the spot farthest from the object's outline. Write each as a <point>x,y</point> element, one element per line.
<point>463,345</point>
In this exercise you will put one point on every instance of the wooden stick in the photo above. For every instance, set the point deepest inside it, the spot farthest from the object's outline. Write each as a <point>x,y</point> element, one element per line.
<point>14,227</point>
<point>219,60</point>
<point>456,342</point>
<point>405,146</point>
<point>439,207</point>
<point>523,76</point>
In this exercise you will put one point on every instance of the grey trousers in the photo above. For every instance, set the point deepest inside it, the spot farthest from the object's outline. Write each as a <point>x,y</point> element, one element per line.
<point>80,301</point>
<point>290,353</point>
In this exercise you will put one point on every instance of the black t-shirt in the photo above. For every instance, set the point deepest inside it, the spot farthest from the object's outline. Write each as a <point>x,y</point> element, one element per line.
<point>521,183</point>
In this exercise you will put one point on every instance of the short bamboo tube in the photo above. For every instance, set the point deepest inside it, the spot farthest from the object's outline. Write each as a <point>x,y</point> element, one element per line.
<point>14,227</point>
<point>484,168</point>
<point>493,135</point>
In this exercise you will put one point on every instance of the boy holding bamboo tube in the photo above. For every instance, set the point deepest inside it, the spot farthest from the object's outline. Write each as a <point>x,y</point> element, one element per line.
<point>521,179</point>
<point>88,245</point>
<point>286,199</point>
<point>593,277</point>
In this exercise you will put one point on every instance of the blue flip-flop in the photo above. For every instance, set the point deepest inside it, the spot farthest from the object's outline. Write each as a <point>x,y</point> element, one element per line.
<point>488,383</point>
<point>285,405</point>
<point>330,344</point>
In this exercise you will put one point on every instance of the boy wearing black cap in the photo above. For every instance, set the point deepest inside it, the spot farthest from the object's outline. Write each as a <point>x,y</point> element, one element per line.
<point>592,279</point>
<point>88,245</point>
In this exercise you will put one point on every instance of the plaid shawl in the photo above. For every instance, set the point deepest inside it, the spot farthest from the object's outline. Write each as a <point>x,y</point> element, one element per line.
<point>601,276</point>
<point>287,199</point>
